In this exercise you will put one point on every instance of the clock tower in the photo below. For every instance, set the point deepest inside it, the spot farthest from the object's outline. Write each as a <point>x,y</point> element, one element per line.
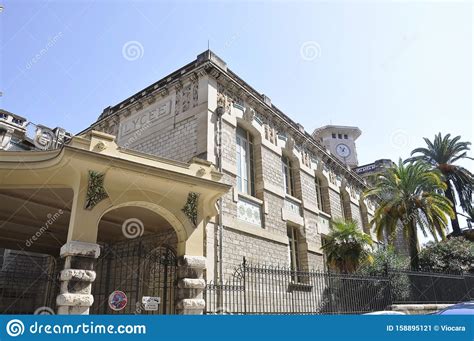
<point>340,140</point>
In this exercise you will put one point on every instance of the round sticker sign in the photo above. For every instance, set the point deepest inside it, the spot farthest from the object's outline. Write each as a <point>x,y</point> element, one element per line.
<point>117,300</point>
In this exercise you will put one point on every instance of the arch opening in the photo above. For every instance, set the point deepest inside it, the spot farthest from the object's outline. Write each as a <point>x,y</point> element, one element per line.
<point>139,259</point>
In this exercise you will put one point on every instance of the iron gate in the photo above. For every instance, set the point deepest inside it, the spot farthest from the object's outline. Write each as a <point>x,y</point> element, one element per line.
<point>139,267</point>
<point>29,284</point>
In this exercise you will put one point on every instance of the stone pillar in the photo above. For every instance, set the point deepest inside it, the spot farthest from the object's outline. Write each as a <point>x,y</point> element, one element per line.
<point>76,279</point>
<point>191,284</point>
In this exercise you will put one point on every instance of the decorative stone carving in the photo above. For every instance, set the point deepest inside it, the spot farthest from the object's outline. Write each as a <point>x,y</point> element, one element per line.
<point>249,114</point>
<point>5,137</point>
<point>249,211</point>
<point>186,97</point>
<point>258,118</point>
<point>282,135</point>
<point>190,208</point>
<point>193,262</point>
<point>100,146</point>
<point>352,192</point>
<point>222,100</point>
<point>195,92</point>
<point>95,190</point>
<point>290,143</point>
<point>151,99</point>
<point>305,158</point>
<point>164,92</point>
<point>190,285</point>
<point>77,277</point>
<point>332,177</point>
<point>227,97</point>
<point>193,77</point>
<point>81,249</point>
<point>138,106</point>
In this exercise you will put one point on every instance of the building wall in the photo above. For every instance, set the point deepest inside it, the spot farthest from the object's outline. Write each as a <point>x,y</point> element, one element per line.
<point>178,143</point>
<point>356,215</point>
<point>183,125</point>
<point>336,204</point>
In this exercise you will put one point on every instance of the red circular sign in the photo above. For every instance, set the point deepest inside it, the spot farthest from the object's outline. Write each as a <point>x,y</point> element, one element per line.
<point>117,300</point>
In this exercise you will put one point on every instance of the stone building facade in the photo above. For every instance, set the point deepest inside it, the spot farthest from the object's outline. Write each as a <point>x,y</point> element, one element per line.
<point>286,186</point>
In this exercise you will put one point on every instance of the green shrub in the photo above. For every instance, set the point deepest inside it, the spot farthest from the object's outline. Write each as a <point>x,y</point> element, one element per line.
<point>385,260</point>
<point>454,255</point>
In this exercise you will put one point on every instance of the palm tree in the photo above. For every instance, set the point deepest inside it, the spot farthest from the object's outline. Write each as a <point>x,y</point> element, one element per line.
<point>410,197</point>
<point>442,153</point>
<point>347,246</point>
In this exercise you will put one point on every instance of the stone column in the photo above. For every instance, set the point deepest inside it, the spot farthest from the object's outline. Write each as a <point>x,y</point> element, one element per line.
<point>76,279</point>
<point>191,284</point>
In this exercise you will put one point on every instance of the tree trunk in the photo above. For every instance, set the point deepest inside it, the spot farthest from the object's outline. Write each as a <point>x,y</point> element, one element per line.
<point>413,245</point>
<point>454,221</point>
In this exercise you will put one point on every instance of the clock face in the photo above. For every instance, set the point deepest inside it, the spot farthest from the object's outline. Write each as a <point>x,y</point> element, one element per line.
<point>343,150</point>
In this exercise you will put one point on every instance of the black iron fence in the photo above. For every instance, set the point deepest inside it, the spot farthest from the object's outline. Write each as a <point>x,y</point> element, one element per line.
<point>430,287</point>
<point>263,289</point>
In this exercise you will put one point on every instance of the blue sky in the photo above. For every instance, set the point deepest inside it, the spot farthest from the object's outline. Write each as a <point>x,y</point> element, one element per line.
<point>397,70</point>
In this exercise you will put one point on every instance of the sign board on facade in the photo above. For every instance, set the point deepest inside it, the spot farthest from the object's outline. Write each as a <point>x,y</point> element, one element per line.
<point>117,300</point>
<point>151,303</point>
<point>145,119</point>
<point>365,169</point>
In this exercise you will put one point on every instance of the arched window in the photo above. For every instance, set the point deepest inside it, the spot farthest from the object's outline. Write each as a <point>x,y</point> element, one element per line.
<point>245,162</point>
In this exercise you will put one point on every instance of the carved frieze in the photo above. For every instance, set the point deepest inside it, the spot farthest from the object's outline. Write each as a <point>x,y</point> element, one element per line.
<point>186,97</point>
<point>227,98</point>
<point>270,133</point>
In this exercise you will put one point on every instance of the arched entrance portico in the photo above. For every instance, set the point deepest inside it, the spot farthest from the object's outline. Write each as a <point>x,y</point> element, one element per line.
<point>109,187</point>
<point>139,258</point>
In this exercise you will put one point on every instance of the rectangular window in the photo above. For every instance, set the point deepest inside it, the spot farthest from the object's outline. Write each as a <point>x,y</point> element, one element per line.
<point>345,136</point>
<point>293,252</point>
<point>319,195</point>
<point>245,162</point>
<point>339,136</point>
<point>343,206</point>
<point>288,176</point>
<point>333,135</point>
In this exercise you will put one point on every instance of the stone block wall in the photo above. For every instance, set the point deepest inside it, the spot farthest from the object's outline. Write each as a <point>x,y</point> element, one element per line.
<point>356,216</point>
<point>178,143</point>
<point>336,204</point>
<point>256,250</point>
<point>308,190</point>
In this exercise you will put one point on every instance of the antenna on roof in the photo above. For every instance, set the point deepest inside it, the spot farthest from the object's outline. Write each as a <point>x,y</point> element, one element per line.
<point>208,44</point>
